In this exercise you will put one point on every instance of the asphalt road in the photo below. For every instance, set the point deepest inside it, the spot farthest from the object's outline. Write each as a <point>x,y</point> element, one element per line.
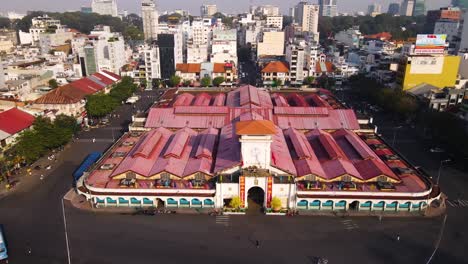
<point>34,218</point>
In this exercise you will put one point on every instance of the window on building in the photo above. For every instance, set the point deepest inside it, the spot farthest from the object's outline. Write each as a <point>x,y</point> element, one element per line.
<point>199,176</point>
<point>347,178</point>
<point>311,178</point>
<point>382,179</point>
<point>165,176</point>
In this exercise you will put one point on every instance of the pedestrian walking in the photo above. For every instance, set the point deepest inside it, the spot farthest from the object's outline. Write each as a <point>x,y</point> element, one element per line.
<point>257,243</point>
<point>380,218</point>
<point>94,140</point>
<point>398,237</point>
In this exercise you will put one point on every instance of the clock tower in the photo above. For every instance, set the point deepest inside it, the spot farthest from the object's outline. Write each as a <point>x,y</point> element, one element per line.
<point>255,138</point>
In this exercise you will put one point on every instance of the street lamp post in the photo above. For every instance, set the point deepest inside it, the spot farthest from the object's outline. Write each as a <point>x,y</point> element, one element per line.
<point>440,169</point>
<point>395,134</point>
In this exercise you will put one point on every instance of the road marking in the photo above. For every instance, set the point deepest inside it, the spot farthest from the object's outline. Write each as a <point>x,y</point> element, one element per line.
<point>349,224</point>
<point>66,232</point>
<point>457,203</point>
<point>90,140</point>
<point>222,220</point>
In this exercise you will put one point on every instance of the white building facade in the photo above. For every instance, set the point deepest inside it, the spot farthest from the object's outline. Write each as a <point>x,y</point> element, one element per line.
<point>105,7</point>
<point>149,14</point>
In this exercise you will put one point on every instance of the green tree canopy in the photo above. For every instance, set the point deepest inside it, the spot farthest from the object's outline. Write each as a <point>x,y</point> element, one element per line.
<point>218,81</point>
<point>53,83</point>
<point>175,80</point>
<point>206,81</point>
<point>309,80</point>
<point>99,105</point>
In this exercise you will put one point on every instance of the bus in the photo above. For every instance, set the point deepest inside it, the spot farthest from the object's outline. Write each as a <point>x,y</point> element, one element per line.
<point>88,162</point>
<point>3,248</point>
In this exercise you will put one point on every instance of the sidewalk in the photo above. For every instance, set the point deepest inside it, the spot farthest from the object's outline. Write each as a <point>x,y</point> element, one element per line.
<point>23,180</point>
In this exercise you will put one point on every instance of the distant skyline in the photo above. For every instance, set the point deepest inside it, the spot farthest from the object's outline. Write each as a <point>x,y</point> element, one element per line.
<point>193,6</point>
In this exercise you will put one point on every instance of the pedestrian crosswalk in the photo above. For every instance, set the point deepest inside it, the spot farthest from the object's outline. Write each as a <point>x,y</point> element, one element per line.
<point>457,203</point>
<point>349,224</point>
<point>222,220</point>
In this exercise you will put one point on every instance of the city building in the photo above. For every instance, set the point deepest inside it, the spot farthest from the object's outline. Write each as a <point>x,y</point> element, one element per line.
<point>374,9</point>
<point>307,15</point>
<point>152,63</point>
<point>407,8</point>
<point>10,35</point>
<point>105,7</point>
<point>271,44</point>
<point>208,10</point>
<point>419,8</point>
<point>40,25</point>
<point>393,9</point>
<point>351,37</point>
<point>460,3</point>
<point>197,53</point>
<point>12,122</point>
<point>296,58</point>
<point>103,50</point>
<point>70,98</point>
<point>275,22</point>
<point>275,71</point>
<point>267,10</point>
<point>202,149</point>
<point>53,38</point>
<point>435,98</point>
<point>86,9</point>
<point>464,34</point>
<point>149,14</point>
<point>224,46</point>
<point>437,70</point>
<point>328,8</point>
<point>194,72</point>
<point>167,52</point>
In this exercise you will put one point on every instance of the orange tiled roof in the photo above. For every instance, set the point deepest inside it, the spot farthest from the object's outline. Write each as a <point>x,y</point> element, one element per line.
<point>275,66</point>
<point>255,127</point>
<point>219,68</point>
<point>329,67</point>
<point>381,36</point>
<point>188,67</point>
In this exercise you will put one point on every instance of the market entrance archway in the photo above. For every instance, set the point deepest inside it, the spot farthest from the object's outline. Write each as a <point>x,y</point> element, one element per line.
<point>255,200</point>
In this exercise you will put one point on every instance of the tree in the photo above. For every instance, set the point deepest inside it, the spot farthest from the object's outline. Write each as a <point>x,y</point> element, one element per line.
<point>99,105</point>
<point>218,81</point>
<point>53,83</point>
<point>309,80</point>
<point>206,81</point>
<point>143,83</point>
<point>5,22</point>
<point>277,83</point>
<point>134,33</point>
<point>276,204</point>
<point>235,202</point>
<point>156,83</point>
<point>175,80</point>
<point>187,83</point>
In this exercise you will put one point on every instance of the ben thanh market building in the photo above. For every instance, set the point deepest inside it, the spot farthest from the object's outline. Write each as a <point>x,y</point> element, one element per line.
<point>201,149</point>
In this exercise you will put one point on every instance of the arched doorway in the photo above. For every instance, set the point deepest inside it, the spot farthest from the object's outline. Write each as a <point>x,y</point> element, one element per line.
<point>255,200</point>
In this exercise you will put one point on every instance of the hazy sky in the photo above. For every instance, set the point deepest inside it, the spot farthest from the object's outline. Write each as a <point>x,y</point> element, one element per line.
<point>193,6</point>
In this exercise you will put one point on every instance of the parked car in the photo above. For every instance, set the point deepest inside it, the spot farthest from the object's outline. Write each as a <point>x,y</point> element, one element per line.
<point>105,121</point>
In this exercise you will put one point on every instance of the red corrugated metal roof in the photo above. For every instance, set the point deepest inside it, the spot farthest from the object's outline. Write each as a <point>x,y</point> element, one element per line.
<point>201,110</point>
<point>116,76</point>
<point>202,99</point>
<point>14,120</point>
<point>301,111</point>
<point>184,99</point>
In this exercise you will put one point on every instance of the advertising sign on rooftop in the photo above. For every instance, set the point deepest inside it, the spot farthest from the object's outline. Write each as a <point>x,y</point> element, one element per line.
<point>430,43</point>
